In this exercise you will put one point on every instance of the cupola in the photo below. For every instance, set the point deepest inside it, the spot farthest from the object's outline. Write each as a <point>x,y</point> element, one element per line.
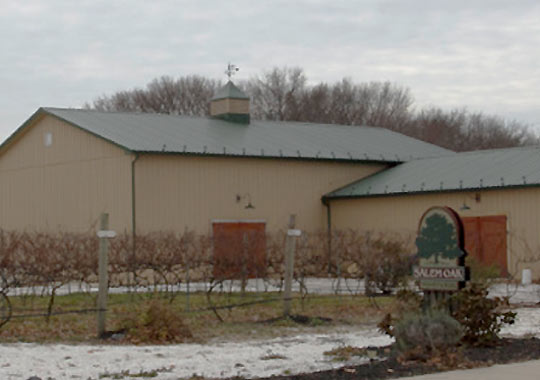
<point>230,104</point>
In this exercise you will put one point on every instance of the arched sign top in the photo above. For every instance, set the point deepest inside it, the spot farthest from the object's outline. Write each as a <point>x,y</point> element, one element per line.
<point>440,250</point>
<point>449,212</point>
<point>452,218</point>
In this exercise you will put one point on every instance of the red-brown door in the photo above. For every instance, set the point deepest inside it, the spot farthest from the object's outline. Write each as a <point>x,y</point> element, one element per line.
<point>239,249</point>
<point>485,240</point>
<point>471,227</point>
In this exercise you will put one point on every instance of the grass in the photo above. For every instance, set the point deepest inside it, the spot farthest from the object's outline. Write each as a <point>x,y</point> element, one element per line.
<point>128,374</point>
<point>273,357</point>
<point>345,353</point>
<point>237,323</point>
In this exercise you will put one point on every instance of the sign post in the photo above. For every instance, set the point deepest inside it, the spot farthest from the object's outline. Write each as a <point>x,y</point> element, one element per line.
<point>441,254</point>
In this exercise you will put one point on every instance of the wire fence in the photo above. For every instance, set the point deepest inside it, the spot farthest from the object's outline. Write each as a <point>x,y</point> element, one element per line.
<point>183,264</point>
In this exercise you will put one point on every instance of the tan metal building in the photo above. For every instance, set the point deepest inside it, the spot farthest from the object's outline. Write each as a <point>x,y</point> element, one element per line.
<point>496,193</point>
<point>153,172</point>
<point>64,167</point>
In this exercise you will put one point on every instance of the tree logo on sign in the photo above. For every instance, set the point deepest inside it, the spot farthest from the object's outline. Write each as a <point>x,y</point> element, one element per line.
<point>438,239</point>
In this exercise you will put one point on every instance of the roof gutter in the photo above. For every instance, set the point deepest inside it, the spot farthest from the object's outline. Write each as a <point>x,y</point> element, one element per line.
<point>133,207</point>
<point>327,198</point>
<point>326,202</point>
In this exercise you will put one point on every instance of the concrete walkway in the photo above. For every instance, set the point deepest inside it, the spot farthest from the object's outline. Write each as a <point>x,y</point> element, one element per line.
<point>515,371</point>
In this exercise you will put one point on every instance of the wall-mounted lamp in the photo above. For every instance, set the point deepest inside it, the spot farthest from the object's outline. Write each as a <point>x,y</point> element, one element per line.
<point>245,197</point>
<point>477,198</point>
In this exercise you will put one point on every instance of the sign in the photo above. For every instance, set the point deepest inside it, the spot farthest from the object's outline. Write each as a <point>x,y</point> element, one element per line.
<point>441,253</point>
<point>106,234</point>
<point>294,232</point>
<point>442,273</point>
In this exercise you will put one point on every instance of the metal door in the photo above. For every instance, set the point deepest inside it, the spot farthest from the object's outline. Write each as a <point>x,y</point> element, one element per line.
<point>239,249</point>
<point>485,240</point>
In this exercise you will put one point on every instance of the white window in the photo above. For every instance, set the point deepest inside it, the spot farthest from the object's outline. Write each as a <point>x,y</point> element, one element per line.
<point>47,139</point>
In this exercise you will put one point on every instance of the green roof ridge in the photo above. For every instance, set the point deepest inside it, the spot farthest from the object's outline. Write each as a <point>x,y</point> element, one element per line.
<point>229,91</point>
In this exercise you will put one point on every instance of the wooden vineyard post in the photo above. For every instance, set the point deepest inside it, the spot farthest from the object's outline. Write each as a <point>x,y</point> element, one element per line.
<point>104,234</point>
<point>185,249</point>
<point>290,247</point>
<point>244,267</point>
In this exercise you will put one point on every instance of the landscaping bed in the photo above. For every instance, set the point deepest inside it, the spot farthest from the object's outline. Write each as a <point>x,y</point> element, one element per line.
<point>505,351</point>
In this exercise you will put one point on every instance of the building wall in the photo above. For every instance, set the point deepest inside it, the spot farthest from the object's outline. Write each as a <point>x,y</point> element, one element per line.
<point>66,185</point>
<point>399,215</point>
<point>178,192</point>
<point>227,105</point>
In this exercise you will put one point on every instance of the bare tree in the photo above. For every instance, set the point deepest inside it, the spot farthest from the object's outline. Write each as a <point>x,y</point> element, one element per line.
<point>183,96</point>
<point>376,104</point>
<point>460,130</point>
<point>489,132</point>
<point>438,127</point>
<point>283,94</point>
<point>276,95</point>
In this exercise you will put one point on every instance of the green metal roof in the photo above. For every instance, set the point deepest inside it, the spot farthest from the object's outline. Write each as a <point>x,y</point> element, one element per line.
<point>487,169</point>
<point>160,133</point>
<point>230,91</point>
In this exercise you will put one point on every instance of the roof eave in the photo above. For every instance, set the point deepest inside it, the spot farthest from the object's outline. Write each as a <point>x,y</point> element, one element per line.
<point>296,158</point>
<point>10,139</point>
<point>42,112</point>
<point>328,197</point>
<point>128,149</point>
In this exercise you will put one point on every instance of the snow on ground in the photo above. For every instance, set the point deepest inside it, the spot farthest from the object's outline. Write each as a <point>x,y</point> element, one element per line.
<point>527,324</point>
<point>293,354</point>
<point>296,354</point>
<point>518,293</point>
<point>301,353</point>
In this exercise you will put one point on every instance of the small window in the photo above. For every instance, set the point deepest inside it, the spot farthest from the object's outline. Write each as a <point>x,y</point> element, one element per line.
<point>47,138</point>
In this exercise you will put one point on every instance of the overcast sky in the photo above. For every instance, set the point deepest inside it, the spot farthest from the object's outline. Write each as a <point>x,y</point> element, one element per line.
<point>482,54</point>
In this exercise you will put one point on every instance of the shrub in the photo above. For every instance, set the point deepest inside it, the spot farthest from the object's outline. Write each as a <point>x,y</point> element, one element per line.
<point>155,322</point>
<point>480,316</point>
<point>407,302</point>
<point>385,264</point>
<point>482,273</point>
<point>422,334</point>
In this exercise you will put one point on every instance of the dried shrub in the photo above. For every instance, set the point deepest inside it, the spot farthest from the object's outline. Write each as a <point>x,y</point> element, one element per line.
<point>155,322</point>
<point>480,272</point>
<point>11,273</point>
<point>386,264</point>
<point>480,316</point>
<point>275,258</point>
<point>420,335</point>
<point>407,302</point>
<point>310,260</point>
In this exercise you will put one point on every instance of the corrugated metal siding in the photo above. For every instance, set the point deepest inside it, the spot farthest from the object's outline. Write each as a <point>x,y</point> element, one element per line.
<point>65,186</point>
<point>401,214</point>
<point>177,192</point>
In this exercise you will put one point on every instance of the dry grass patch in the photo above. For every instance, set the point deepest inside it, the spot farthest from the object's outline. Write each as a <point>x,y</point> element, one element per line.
<point>200,324</point>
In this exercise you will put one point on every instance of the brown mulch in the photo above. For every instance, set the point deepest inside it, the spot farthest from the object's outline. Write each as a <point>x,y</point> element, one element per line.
<point>506,351</point>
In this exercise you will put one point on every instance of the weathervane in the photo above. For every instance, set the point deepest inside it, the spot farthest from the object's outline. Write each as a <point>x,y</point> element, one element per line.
<point>231,70</point>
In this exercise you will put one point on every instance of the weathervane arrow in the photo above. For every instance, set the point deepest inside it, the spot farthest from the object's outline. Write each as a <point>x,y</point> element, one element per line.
<point>231,70</point>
